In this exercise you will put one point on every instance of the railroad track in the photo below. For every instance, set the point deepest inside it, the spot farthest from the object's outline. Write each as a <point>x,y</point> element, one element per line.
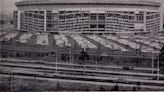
<point>84,78</point>
<point>74,65</point>
<point>79,74</point>
<point>83,70</point>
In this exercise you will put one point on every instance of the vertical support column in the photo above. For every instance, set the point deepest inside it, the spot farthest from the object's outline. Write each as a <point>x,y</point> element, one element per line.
<point>161,18</point>
<point>97,14</point>
<point>145,21</point>
<point>18,19</point>
<point>105,21</point>
<point>45,20</point>
<point>57,22</point>
<point>89,23</point>
<point>161,21</point>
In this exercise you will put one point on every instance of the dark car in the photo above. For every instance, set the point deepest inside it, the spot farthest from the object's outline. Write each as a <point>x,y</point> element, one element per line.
<point>128,68</point>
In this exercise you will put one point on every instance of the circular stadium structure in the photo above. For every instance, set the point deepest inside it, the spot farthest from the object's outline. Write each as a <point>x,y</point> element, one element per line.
<point>87,16</point>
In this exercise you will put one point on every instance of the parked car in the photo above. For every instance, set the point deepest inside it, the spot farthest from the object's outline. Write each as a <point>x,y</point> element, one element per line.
<point>128,68</point>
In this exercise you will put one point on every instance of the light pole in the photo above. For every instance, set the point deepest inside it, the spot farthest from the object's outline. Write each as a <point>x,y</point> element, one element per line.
<point>70,56</point>
<point>56,62</point>
<point>158,68</point>
<point>152,35</point>
<point>98,51</point>
<point>11,82</point>
<point>152,61</point>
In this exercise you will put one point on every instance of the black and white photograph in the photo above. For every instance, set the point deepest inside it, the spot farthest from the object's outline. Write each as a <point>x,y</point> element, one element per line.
<point>81,45</point>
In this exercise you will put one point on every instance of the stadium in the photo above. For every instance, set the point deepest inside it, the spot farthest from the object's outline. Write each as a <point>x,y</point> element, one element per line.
<point>88,15</point>
<point>106,42</point>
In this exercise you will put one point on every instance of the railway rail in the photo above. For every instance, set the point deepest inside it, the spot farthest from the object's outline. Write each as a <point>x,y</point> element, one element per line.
<point>74,65</point>
<point>82,74</point>
<point>149,84</point>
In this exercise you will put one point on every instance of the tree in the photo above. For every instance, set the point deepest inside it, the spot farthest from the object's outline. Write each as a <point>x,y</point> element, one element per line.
<point>138,85</point>
<point>161,56</point>
<point>115,88</point>
<point>26,54</point>
<point>52,53</point>
<point>2,22</point>
<point>84,55</point>
<point>63,57</point>
<point>102,89</point>
<point>87,89</point>
<point>11,22</point>
<point>58,87</point>
<point>134,89</point>
<point>17,54</point>
<point>11,55</point>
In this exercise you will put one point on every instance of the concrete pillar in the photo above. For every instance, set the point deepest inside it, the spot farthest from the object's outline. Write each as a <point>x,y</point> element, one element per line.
<point>145,21</point>
<point>18,20</point>
<point>45,20</point>
<point>161,21</point>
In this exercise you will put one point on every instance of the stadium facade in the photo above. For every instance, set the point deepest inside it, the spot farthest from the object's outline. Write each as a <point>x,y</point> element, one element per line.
<point>88,15</point>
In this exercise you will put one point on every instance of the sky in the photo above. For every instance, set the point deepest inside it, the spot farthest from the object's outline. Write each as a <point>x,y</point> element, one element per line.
<point>7,6</point>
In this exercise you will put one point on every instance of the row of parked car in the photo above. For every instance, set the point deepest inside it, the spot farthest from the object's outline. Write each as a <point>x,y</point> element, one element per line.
<point>83,42</point>
<point>124,41</point>
<point>61,40</point>
<point>106,43</point>
<point>9,36</point>
<point>24,38</point>
<point>42,39</point>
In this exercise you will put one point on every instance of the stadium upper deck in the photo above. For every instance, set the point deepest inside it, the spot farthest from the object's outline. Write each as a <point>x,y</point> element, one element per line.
<point>118,2</point>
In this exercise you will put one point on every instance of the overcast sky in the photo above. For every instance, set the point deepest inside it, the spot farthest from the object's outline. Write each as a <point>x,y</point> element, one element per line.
<point>7,6</point>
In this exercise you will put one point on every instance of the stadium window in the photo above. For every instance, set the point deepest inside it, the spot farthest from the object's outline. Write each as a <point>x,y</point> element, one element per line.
<point>101,26</point>
<point>35,16</point>
<point>86,15</point>
<point>101,30</point>
<point>61,17</point>
<point>93,26</point>
<point>41,17</point>
<point>41,12</point>
<point>92,30</point>
<point>101,17</point>
<point>78,15</point>
<point>49,25</point>
<point>49,17</point>
<point>93,17</point>
<point>47,11</point>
